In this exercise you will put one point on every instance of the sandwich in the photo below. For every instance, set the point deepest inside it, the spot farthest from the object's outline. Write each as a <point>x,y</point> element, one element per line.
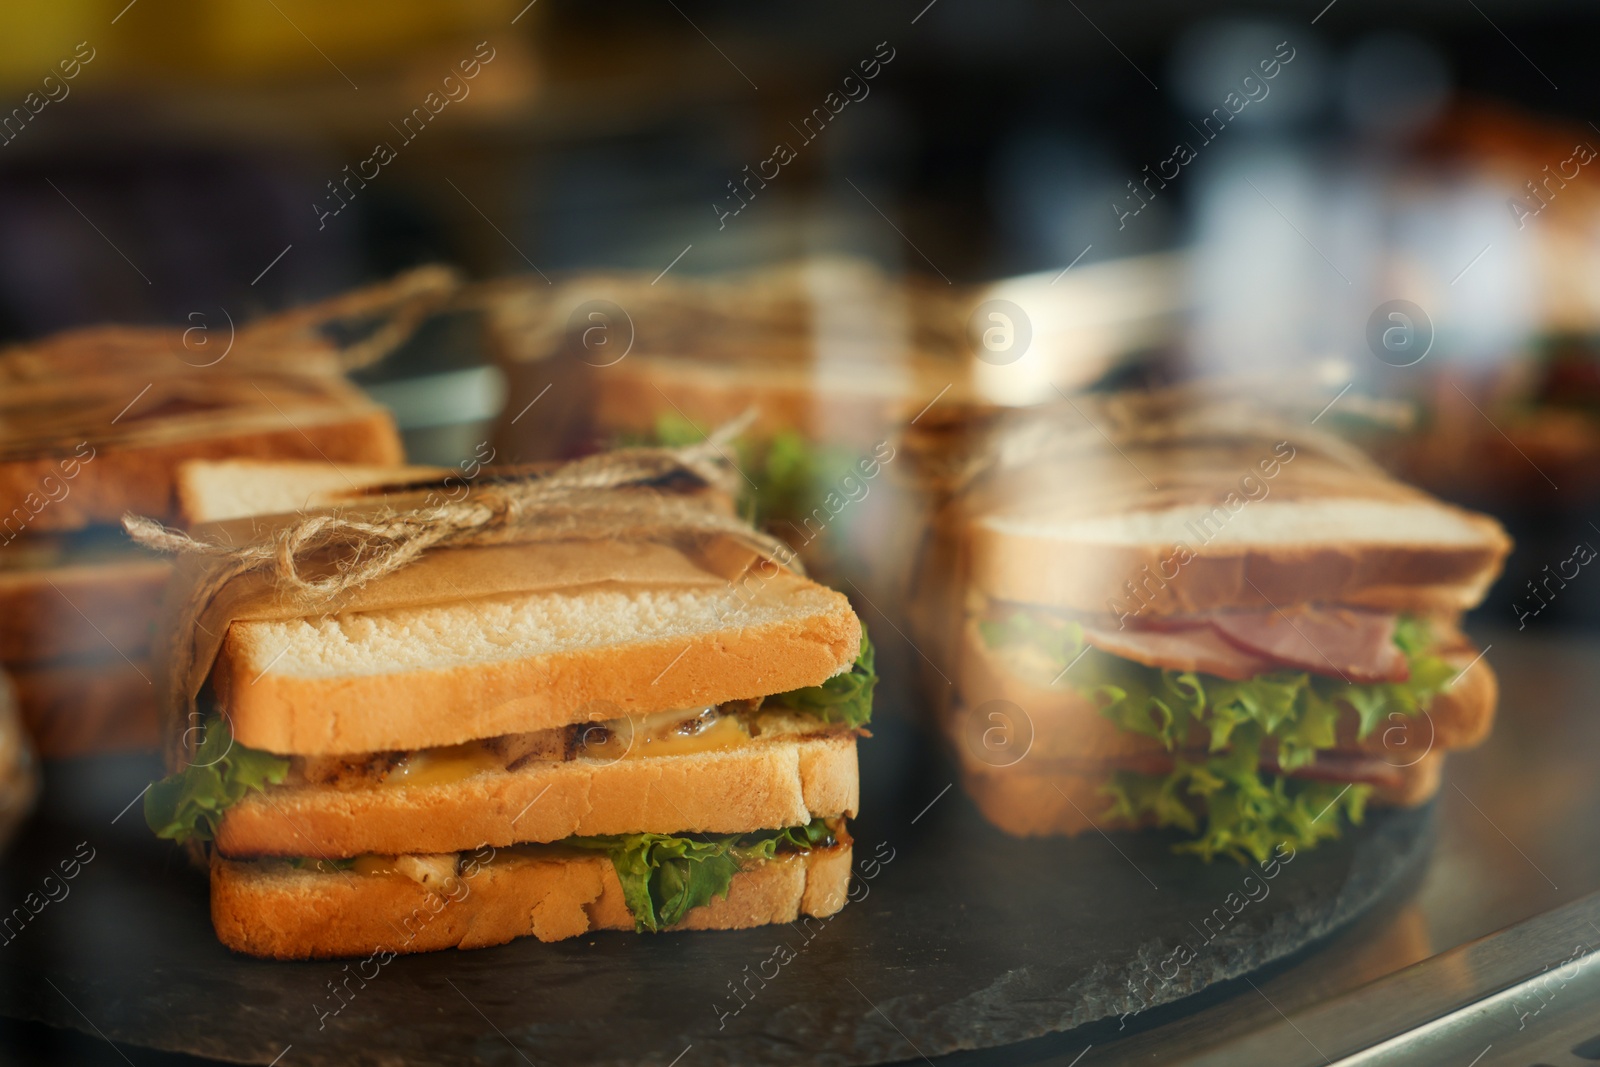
<point>636,717</point>
<point>834,353</point>
<point>1212,621</point>
<point>96,423</point>
<point>831,353</point>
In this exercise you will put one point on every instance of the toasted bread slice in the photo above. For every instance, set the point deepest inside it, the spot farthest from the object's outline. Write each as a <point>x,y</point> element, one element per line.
<point>781,781</point>
<point>271,908</point>
<point>19,770</point>
<point>1065,723</point>
<point>1095,536</point>
<point>213,490</point>
<point>84,707</point>
<point>1034,802</point>
<point>440,675</point>
<point>126,434</point>
<point>59,604</point>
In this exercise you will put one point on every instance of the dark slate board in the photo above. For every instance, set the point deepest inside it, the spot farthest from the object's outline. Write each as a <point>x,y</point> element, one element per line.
<point>965,939</point>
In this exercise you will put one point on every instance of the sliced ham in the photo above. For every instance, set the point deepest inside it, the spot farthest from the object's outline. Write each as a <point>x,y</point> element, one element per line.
<point>1198,648</point>
<point>1358,767</point>
<point>1341,766</point>
<point>1353,645</point>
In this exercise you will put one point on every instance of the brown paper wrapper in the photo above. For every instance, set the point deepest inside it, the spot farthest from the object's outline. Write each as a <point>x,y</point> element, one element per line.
<point>208,593</point>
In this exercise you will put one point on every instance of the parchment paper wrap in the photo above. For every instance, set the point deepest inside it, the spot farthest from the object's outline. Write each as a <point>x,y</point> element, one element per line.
<point>654,524</point>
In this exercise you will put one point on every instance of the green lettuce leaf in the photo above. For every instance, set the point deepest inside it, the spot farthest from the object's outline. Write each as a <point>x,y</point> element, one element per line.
<point>793,476</point>
<point>674,431</point>
<point>189,805</point>
<point>845,698</point>
<point>1246,810</point>
<point>664,876</point>
<point>1246,814</point>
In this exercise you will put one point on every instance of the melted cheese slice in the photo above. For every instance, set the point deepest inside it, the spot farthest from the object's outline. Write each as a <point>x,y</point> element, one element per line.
<point>669,733</point>
<point>371,865</point>
<point>445,766</point>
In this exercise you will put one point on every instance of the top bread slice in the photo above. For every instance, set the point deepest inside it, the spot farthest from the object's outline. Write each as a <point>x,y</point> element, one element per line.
<point>214,490</point>
<point>1158,529</point>
<point>82,452</point>
<point>444,674</point>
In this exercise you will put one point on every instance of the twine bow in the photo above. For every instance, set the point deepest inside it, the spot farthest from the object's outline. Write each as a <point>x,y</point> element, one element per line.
<point>612,495</point>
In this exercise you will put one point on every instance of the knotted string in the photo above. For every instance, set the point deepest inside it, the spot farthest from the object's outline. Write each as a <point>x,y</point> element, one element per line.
<point>609,496</point>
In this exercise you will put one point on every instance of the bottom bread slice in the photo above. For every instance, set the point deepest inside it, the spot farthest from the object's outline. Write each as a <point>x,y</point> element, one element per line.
<point>272,908</point>
<point>1029,803</point>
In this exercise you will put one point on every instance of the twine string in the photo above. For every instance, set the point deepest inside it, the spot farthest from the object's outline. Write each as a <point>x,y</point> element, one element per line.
<point>612,495</point>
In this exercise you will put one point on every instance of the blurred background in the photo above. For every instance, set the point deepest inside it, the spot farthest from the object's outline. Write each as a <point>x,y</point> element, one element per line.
<point>1383,216</point>
<point>1232,190</point>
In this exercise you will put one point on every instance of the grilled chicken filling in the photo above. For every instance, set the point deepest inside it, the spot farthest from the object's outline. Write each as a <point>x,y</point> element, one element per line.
<point>705,729</point>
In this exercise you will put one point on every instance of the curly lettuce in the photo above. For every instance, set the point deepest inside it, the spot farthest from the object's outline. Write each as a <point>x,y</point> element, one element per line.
<point>188,805</point>
<point>792,474</point>
<point>1246,811</point>
<point>845,698</point>
<point>665,876</point>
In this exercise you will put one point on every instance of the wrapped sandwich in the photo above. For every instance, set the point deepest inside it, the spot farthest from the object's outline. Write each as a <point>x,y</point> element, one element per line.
<point>834,353</point>
<point>586,697</point>
<point>831,353</point>
<point>95,422</point>
<point>1202,618</point>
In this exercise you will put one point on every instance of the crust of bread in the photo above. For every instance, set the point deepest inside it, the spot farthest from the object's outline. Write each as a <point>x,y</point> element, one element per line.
<point>1406,578</point>
<point>1164,528</point>
<point>141,478</point>
<point>81,609</point>
<point>629,398</point>
<point>1067,724</point>
<point>783,781</point>
<point>426,708</point>
<point>215,490</point>
<point>277,911</point>
<point>1027,804</point>
<point>81,708</point>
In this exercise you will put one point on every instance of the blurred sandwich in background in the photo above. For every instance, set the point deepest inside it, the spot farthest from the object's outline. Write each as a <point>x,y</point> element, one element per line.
<point>19,770</point>
<point>832,354</point>
<point>95,423</point>
<point>1165,612</point>
<point>1501,426</point>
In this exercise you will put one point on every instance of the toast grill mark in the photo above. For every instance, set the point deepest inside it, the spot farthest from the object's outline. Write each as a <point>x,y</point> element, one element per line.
<point>1254,486</point>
